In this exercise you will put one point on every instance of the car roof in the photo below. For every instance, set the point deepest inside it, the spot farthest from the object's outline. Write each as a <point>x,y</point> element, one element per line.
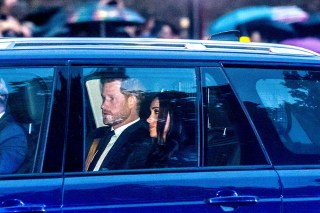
<point>74,48</point>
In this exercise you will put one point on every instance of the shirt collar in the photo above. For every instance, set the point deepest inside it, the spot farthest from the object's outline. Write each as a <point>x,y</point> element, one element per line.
<point>119,130</point>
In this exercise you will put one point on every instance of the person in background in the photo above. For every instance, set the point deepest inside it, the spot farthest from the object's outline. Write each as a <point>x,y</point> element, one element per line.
<point>146,30</point>
<point>13,141</point>
<point>9,25</point>
<point>168,31</point>
<point>256,36</point>
<point>168,130</point>
<point>124,143</point>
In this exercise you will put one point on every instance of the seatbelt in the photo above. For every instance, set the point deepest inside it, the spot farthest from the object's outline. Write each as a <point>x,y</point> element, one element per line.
<point>92,152</point>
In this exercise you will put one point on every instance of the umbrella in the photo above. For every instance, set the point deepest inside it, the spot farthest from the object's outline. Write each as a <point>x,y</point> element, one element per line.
<point>104,17</point>
<point>269,30</point>
<point>310,43</point>
<point>48,22</point>
<point>243,17</point>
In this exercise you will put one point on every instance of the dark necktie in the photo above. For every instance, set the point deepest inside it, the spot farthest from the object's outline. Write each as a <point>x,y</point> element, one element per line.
<point>101,147</point>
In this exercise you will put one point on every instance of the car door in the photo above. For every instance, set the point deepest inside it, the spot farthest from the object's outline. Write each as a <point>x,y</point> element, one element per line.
<point>223,169</point>
<point>34,182</point>
<point>290,101</point>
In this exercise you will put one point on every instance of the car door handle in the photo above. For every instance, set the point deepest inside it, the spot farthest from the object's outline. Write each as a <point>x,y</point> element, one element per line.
<point>234,200</point>
<point>15,205</point>
<point>230,197</point>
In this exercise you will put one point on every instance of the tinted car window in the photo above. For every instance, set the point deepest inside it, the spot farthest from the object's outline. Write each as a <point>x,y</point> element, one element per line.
<point>177,85</point>
<point>284,107</point>
<point>28,101</point>
<point>230,139</point>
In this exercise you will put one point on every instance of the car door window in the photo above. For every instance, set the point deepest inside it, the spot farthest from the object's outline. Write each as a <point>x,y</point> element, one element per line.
<point>283,104</point>
<point>176,92</point>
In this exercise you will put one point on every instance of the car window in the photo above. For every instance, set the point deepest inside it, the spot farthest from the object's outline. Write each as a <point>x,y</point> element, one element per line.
<point>283,104</point>
<point>25,99</point>
<point>229,138</point>
<point>176,92</point>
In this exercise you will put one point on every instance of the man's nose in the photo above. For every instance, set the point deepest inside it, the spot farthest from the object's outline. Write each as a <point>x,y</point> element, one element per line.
<point>104,105</point>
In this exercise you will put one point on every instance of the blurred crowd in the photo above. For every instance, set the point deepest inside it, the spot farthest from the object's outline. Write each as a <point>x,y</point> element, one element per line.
<point>56,22</point>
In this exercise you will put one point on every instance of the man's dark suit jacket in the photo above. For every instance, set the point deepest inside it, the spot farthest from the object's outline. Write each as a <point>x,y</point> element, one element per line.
<point>130,150</point>
<point>13,145</point>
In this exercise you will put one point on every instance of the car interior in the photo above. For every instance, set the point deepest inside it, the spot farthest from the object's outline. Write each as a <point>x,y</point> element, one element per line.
<point>28,105</point>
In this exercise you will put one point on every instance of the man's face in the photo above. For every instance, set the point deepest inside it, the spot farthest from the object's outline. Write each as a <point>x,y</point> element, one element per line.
<point>115,108</point>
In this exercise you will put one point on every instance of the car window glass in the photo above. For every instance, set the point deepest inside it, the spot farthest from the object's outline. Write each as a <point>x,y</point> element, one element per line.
<point>230,140</point>
<point>287,102</point>
<point>25,95</point>
<point>176,90</point>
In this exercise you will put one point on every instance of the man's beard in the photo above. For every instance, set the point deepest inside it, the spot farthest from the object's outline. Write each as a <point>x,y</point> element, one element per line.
<point>114,120</point>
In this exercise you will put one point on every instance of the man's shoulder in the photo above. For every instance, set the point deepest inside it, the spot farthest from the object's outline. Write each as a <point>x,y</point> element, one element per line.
<point>140,126</point>
<point>8,123</point>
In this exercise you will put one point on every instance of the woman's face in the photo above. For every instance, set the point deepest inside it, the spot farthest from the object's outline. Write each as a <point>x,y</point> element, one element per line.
<point>153,119</point>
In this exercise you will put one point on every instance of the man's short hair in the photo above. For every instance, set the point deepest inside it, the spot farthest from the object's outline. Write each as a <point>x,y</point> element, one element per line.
<point>129,86</point>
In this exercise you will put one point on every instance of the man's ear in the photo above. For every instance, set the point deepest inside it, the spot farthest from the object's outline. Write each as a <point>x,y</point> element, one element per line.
<point>132,101</point>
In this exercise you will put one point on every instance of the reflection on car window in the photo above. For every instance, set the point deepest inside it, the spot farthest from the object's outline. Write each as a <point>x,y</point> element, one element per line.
<point>167,110</point>
<point>230,140</point>
<point>288,102</point>
<point>25,103</point>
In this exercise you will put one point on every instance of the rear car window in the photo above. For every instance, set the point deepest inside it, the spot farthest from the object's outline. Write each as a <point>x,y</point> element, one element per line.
<point>284,106</point>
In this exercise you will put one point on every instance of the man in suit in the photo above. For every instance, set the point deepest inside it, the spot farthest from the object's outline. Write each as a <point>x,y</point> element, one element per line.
<point>125,142</point>
<point>13,141</point>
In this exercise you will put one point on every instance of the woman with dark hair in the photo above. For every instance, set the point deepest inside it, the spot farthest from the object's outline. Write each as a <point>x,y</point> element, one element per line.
<point>167,128</point>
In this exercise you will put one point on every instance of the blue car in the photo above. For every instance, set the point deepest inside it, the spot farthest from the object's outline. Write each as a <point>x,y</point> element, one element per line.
<point>243,121</point>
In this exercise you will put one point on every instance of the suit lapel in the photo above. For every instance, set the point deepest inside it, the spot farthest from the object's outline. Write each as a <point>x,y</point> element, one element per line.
<point>122,142</point>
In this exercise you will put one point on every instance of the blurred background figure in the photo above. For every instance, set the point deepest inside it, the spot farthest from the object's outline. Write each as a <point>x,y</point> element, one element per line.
<point>146,30</point>
<point>10,26</point>
<point>255,36</point>
<point>104,18</point>
<point>168,31</point>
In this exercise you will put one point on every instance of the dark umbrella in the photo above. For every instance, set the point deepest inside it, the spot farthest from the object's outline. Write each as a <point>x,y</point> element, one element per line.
<point>269,30</point>
<point>104,18</point>
<point>48,22</point>
<point>310,43</point>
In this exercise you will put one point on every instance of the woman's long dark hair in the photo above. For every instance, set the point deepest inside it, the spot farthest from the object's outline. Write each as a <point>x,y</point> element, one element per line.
<point>170,102</point>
